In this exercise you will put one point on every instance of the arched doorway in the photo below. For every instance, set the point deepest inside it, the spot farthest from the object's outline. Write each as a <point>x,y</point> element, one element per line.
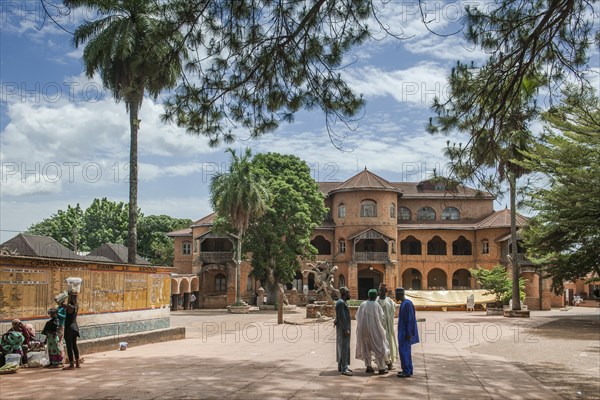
<point>436,279</point>
<point>412,279</point>
<point>461,279</point>
<point>368,279</point>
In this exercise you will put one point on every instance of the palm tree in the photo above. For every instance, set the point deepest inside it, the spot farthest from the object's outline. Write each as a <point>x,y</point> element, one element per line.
<point>129,46</point>
<point>496,145</point>
<point>238,196</point>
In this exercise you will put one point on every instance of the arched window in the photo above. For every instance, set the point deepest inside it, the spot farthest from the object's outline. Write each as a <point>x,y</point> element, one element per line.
<point>461,247</point>
<point>341,281</point>
<point>392,210</point>
<point>368,208</point>
<point>451,214</point>
<point>341,211</point>
<point>322,245</point>
<point>410,246</point>
<point>342,246</point>
<point>436,247</point>
<point>186,248</point>
<point>485,246</point>
<point>220,283</point>
<point>404,214</point>
<point>426,214</point>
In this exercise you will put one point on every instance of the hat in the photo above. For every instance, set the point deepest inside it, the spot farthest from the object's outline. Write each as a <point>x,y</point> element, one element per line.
<point>344,289</point>
<point>372,294</point>
<point>383,286</point>
<point>399,290</point>
<point>16,321</point>
<point>52,310</point>
<point>61,297</point>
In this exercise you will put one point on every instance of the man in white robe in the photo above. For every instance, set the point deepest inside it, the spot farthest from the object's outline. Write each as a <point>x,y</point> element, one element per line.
<point>371,340</point>
<point>389,310</point>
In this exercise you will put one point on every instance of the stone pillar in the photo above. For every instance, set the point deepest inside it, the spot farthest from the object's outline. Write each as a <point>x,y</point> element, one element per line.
<point>448,280</point>
<point>532,291</point>
<point>353,280</point>
<point>546,295</point>
<point>186,301</point>
<point>231,282</point>
<point>390,277</point>
<point>261,296</point>
<point>174,301</point>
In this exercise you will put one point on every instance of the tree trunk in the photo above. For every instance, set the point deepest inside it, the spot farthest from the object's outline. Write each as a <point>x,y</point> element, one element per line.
<point>272,289</point>
<point>238,272</point>
<point>514,262</point>
<point>134,125</point>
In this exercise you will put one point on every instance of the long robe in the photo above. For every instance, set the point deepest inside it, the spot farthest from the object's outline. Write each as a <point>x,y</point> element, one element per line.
<point>342,325</point>
<point>407,327</point>
<point>371,340</point>
<point>389,310</point>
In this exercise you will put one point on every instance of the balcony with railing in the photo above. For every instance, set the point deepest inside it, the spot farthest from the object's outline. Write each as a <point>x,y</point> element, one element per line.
<point>215,257</point>
<point>371,256</point>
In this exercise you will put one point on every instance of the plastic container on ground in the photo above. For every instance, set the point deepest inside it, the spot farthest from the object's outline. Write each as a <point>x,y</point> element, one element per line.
<point>13,359</point>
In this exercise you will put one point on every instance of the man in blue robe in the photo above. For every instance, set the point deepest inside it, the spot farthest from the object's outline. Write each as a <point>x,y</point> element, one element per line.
<point>408,333</point>
<point>342,328</point>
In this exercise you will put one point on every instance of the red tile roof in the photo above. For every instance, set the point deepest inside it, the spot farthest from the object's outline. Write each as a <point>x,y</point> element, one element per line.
<point>365,180</point>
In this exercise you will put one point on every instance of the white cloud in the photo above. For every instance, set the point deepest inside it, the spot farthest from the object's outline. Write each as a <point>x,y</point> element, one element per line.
<point>417,85</point>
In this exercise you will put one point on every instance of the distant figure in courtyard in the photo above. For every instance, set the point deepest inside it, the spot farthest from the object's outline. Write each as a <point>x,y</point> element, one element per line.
<point>389,310</point>
<point>408,333</point>
<point>342,329</point>
<point>72,331</point>
<point>192,301</point>
<point>51,331</point>
<point>371,340</point>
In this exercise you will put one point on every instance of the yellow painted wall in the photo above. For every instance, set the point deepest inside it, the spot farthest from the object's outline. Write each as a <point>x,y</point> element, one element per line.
<point>28,286</point>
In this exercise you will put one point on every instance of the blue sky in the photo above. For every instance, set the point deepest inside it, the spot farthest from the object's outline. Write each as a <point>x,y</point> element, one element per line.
<point>65,141</point>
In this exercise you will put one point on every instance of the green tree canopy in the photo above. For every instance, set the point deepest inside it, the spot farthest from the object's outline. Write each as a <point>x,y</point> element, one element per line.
<point>497,282</point>
<point>565,234</point>
<point>66,227</point>
<point>105,221</point>
<point>281,236</point>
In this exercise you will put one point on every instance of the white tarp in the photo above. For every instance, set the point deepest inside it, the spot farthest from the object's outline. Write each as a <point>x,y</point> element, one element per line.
<point>447,298</point>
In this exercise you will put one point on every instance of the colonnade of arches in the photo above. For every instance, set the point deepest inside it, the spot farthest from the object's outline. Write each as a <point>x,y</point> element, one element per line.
<point>437,279</point>
<point>182,288</point>
<point>436,246</point>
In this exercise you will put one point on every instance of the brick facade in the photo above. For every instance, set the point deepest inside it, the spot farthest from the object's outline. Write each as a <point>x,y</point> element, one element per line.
<point>371,244</point>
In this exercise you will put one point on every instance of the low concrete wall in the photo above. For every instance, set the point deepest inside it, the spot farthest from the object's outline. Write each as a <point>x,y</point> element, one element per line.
<point>93,326</point>
<point>133,339</point>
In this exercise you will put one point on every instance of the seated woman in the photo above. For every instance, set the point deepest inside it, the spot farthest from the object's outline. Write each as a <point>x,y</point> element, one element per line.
<point>13,341</point>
